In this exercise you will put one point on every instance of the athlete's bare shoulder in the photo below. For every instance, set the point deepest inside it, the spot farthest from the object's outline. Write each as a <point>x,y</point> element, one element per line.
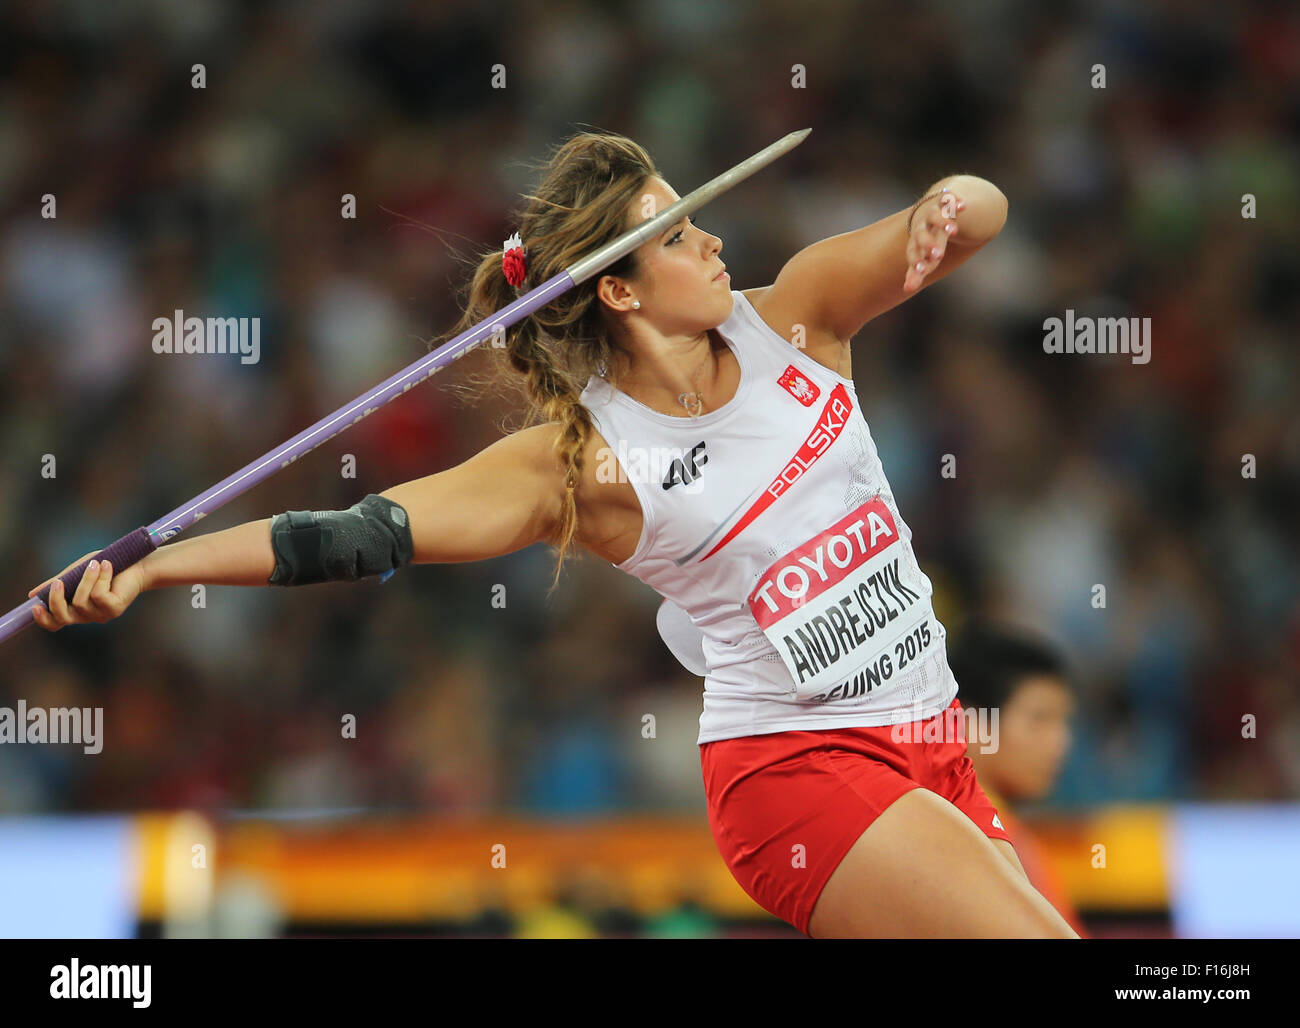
<point>609,513</point>
<point>539,444</point>
<point>534,447</point>
<point>782,309</point>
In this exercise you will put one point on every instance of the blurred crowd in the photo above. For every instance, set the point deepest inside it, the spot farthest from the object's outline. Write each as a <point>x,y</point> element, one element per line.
<point>1071,471</point>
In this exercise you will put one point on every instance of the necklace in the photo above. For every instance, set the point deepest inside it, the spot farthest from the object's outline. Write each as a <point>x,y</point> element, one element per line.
<point>693,402</point>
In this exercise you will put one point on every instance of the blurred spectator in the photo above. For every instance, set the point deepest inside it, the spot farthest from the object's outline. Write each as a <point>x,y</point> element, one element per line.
<point>1022,683</point>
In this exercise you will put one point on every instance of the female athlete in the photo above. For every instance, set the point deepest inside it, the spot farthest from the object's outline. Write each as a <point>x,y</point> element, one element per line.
<point>718,453</point>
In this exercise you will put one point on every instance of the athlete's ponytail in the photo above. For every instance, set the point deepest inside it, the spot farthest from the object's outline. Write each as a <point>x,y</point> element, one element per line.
<point>588,185</point>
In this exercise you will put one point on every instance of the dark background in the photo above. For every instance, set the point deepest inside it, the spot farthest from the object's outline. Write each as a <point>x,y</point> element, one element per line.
<point>1072,470</point>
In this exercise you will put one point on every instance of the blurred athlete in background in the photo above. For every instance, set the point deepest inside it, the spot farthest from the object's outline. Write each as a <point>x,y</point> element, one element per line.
<point>1025,680</point>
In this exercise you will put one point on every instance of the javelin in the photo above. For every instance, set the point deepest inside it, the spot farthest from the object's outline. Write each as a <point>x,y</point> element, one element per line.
<point>135,546</point>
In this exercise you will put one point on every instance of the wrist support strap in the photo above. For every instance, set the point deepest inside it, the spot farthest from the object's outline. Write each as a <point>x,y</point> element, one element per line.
<point>372,537</point>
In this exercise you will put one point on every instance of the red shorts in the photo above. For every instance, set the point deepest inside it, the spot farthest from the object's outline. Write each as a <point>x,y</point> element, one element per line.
<point>768,794</point>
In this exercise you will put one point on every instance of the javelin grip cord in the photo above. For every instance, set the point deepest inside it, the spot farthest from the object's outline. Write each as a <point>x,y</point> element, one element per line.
<point>121,553</point>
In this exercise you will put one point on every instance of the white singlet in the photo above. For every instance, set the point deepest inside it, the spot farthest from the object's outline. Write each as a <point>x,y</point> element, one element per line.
<point>769,523</point>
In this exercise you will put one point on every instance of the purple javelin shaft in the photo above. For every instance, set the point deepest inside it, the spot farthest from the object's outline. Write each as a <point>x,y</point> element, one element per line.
<point>136,545</point>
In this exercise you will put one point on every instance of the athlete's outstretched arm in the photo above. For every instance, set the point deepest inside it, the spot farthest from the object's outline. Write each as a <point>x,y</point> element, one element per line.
<point>502,499</point>
<point>846,280</point>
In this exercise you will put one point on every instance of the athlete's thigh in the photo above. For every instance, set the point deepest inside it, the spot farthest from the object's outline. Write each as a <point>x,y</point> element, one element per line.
<point>1009,851</point>
<point>922,869</point>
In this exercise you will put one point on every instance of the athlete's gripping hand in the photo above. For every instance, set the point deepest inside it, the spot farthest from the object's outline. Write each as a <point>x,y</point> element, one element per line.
<point>934,222</point>
<point>101,595</point>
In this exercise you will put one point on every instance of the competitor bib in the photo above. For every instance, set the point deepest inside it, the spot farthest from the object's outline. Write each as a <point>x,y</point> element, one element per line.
<point>846,603</point>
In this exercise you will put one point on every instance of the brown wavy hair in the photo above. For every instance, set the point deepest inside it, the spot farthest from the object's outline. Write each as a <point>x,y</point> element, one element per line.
<point>587,185</point>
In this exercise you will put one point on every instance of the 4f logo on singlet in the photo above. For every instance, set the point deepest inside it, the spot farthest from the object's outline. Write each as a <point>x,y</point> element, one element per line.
<point>686,469</point>
<point>799,386</point>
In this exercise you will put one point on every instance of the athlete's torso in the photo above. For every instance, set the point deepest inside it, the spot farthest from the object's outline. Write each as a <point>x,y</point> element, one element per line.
<point>769,521</point>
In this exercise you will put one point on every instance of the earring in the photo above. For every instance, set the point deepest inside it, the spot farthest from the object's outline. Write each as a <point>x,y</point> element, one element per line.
<point>636,305</point>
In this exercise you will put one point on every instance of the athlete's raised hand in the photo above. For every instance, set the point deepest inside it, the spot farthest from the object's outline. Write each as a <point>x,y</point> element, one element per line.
<point>934,222</point>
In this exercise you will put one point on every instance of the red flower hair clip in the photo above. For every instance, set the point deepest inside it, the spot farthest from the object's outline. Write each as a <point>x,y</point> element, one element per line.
<point>513,260</point>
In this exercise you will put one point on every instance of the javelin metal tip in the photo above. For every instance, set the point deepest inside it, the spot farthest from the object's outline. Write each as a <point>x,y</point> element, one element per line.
<point>789,141</point>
